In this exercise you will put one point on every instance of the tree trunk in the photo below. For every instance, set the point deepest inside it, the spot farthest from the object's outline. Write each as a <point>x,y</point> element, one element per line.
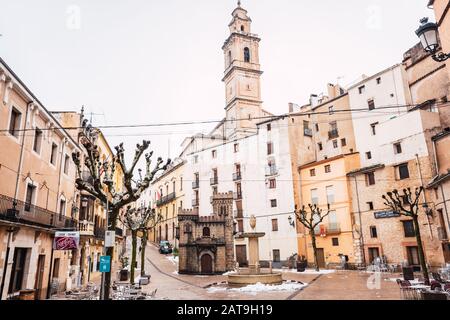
<point>133,254</point>
<point>143,246</point>
<point>313,239</point>
<point>423,263</point>
<point>110,252</point>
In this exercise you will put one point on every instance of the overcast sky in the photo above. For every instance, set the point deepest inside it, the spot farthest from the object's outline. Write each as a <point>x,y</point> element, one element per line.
<point>148,61</point>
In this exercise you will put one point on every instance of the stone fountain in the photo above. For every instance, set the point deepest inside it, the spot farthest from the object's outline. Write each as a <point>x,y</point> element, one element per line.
<point>253,275</point>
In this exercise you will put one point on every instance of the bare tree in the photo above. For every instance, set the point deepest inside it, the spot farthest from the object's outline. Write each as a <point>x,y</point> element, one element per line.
<point>137,220</point>
<point>145,227</point>
<point>408,205</point>
<point>99,179</point>
<point>311,221</point>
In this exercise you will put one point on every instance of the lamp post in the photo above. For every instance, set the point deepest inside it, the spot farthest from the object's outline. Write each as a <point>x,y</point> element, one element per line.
<point>428,35</point>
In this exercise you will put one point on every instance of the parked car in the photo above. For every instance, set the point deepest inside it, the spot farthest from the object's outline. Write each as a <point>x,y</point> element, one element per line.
<point>165,247</point>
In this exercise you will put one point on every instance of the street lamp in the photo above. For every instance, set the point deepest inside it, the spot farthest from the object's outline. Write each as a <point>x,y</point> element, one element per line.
<point>291,222</point>
<point>428,35</point>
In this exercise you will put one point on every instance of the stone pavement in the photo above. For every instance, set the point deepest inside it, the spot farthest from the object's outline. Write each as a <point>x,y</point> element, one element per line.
<point>340,285</point>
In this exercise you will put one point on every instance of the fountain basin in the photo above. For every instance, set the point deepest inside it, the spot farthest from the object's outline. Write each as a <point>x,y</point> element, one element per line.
<point>243,279</point>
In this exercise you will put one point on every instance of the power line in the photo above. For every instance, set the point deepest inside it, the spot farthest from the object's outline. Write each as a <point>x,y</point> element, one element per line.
<point>183,123</point>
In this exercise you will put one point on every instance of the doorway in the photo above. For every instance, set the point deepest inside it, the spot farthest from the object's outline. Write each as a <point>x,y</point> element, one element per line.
<point>39,276</point>
<point>206,264</point>
<point>321,258</point>
<point>373,254</point>
<point>241,255</point>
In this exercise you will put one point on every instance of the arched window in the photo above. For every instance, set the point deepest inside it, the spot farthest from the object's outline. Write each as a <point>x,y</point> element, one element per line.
<point>229,57</point>
<point>246,54</point>
<point>206,232</point>
<point>242,28</point>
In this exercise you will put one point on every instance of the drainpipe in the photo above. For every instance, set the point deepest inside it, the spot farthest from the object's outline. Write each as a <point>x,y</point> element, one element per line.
<point>424,195</point>
<point>360,222</point>
<point>19,168</point>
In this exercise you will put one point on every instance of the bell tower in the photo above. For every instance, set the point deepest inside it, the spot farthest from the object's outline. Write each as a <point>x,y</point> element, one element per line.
<point>242,76</point>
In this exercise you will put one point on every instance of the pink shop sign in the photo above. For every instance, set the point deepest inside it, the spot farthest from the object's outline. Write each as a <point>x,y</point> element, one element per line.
<point>66,240</point>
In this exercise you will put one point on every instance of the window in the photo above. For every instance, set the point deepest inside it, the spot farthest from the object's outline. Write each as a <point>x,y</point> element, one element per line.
<point>331,110</point>
<point>312,172</point>
<point>269,127</point>
<point>274,224</point>
<point>273,203</point>
<point>408,228</point>
<point>370,205</point>
<point>335,242</point>
<point>229,58</point>
<point>14,124</point>
<point>320,146</point>
<point>236,147</point>
<point>66,164</point>
<point>62,207</point>
<point>214,154</point>
<point>378,80</point>
<point>181,183</point>
<point>403,172</point>
<point>240,226</point>
<point>242,28</point>
<point>29,198</point>
<point>269,148</point>
<point>37,141</point>
<point>306,124</point>
<point>206,232</point>
<point>18,270</point>
<point>370,178</point>
<point>54,153</point>
<point>362,89</point>
<point>369,155</point>
<point>187,228</point>
<point>317,127</point>
<point>246,54</point>
<point>343,142</point>
<point>330,194</point>
<point>327,168</point>
<point>413,256</point>
<point>276,255</point>
<point>371,104</point>
<point>373,232</point>
<point>397,148</point>
<point>195,159</point>
<point>335,144</point>
<point>373,126</point>
<point>314,196</point>
<point>272,184</point>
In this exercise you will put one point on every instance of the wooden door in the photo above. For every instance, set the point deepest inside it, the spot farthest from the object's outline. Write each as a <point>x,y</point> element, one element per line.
<point>373,254</point>
<point>206,264</point>
<point>321,258</point>
<point>241,255</point>
<point>39,276</point>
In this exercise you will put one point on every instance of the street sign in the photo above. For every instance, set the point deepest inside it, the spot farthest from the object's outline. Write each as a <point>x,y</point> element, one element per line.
<point>386,214</point>
<point>105,263</point>
<point>110,238</point>
<point>66,240</point>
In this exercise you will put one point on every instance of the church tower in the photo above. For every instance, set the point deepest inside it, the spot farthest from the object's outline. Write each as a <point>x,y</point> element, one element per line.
<point>242,77</point>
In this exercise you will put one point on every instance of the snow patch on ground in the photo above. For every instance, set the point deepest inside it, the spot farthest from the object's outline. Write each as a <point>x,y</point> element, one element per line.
<point>307,271</point>
<point>415,281</point>
<point>259,287</point>
<point>228,273</point>
<point>175,272</point>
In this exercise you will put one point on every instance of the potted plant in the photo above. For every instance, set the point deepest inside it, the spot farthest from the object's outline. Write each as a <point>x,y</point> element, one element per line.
<point>302,263</point>
<point>124,273</point>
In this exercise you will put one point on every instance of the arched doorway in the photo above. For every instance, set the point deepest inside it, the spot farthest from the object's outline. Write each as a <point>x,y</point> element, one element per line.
<point>206,264</point>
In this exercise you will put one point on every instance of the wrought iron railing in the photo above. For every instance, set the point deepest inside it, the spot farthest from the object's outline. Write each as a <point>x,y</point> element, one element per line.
<point>26,213</point>
<point>195,184</point>
<point>237,176</point>
<point>334,133</point>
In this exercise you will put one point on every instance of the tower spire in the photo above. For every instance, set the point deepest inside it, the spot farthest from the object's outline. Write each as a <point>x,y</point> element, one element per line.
<point>239,3</point>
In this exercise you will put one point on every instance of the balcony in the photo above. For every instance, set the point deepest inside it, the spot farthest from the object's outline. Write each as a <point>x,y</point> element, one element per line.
<point>239,214</point>
<point>33,215</point>
<point>271,170</point>
<point>214,181</point>
<point>119,232</point>
<point>332,134</point>
<point>442,233</point>
<point>328,229</point>
<point>237,176</point>
<point>196,184</point>
<point>237,195</point>
<point>195,202</point>
<point>86,228</point>
<point>166,199</point>
<point>308,132</point>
